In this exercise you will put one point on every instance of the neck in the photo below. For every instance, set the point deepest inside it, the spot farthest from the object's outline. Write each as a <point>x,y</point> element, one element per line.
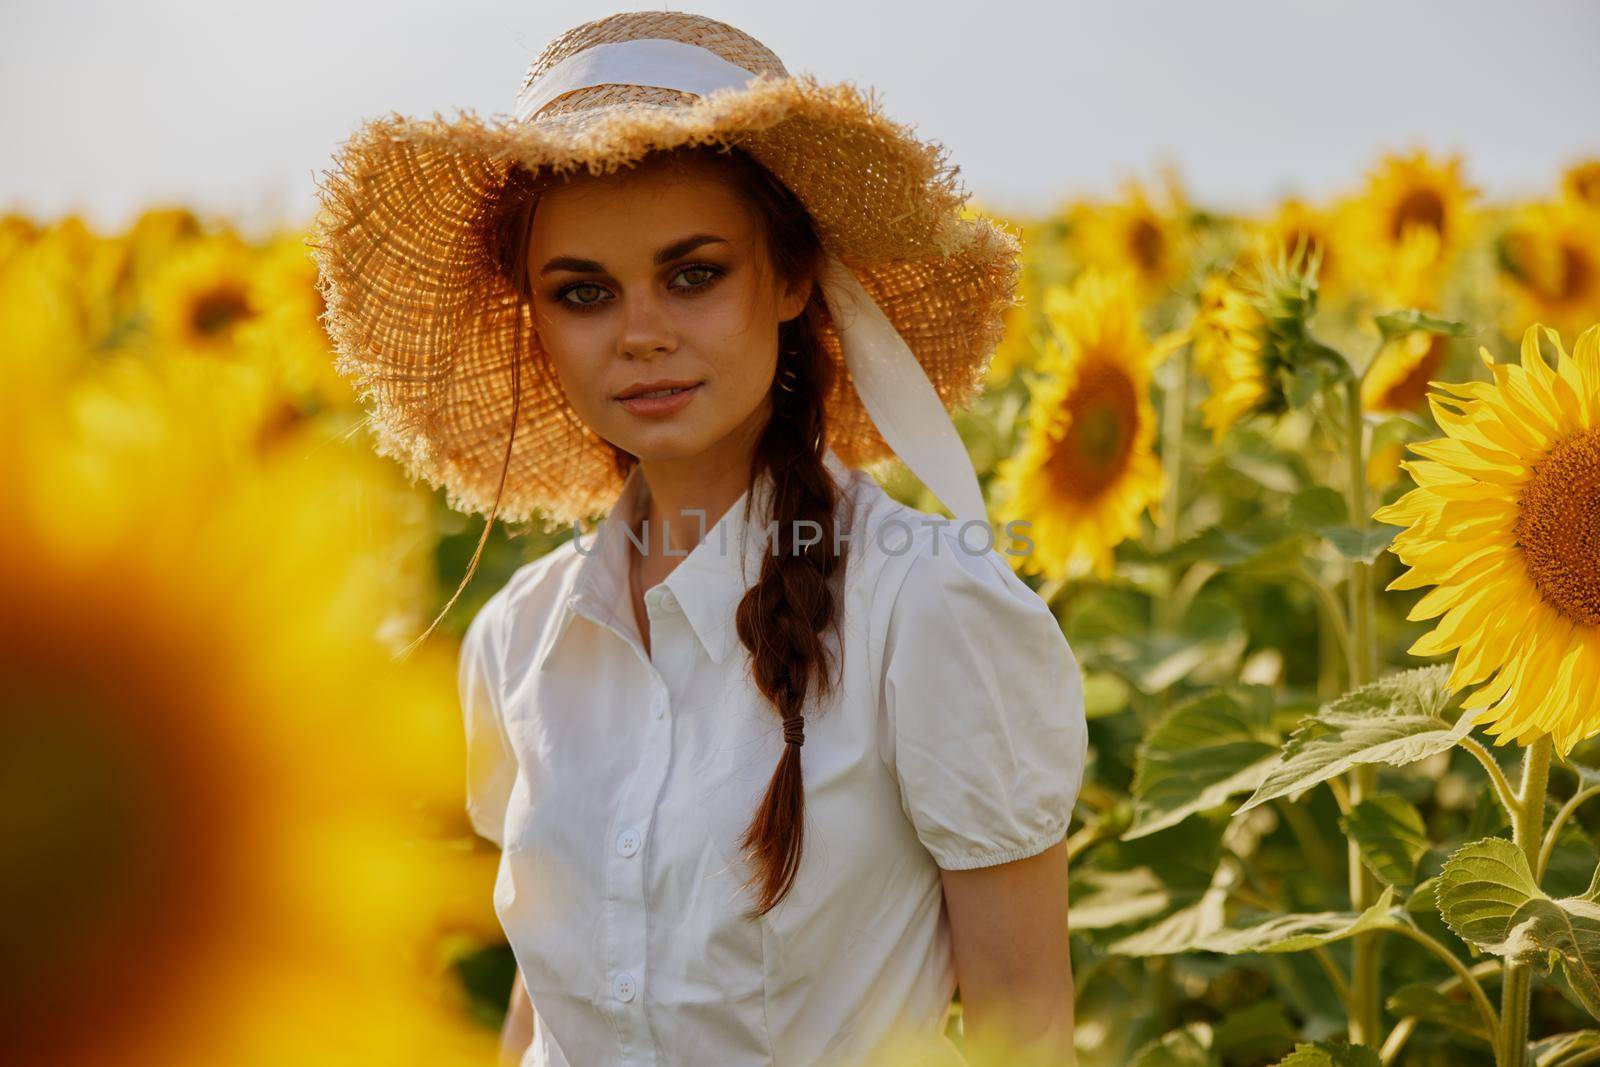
<point>688,497</point>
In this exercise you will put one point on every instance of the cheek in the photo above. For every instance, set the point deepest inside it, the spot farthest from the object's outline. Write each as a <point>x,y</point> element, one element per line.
<point>574,352</point>
<point>738,336</point>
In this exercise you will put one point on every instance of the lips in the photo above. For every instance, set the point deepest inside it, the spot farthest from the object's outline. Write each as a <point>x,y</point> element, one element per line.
<point>656,389</point>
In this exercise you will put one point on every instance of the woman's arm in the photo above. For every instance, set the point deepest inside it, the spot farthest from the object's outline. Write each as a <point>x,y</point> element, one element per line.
<point>517,1034</point>
<point>1008,926</point>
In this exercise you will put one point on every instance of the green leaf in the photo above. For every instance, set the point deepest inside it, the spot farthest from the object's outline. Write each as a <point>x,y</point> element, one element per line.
<point>1330,1054</point>
<point>1254,1034</point>
<point>1103,899</point>
<point>1189,1047</point>
<point>1184,928</point>
<point>1317,506</point>
<point>1391,835</point>
<point>1396,720</point>
<point>1201,753</point>
<point>1424,899</point>
<point>1399,323</point>
<point>1557,1049</point>
<point>1487,895</point>
<point>1298,932</point>
<point>1104,694</point>
<point>1322,511</point>
<point>1430,1005</point>
<point>1264,547</point>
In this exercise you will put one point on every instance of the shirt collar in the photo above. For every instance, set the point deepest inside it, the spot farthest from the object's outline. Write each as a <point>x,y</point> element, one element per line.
<point>706,585</point>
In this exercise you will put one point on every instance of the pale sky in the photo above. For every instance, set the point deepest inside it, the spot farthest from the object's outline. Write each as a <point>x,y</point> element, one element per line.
<point>234,107</point>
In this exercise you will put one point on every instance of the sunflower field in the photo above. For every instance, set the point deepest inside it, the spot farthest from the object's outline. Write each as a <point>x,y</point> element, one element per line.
<point>1314,492</point>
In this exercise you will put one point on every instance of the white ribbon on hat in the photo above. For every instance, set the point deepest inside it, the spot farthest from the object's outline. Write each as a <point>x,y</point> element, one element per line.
<point>892,385</point>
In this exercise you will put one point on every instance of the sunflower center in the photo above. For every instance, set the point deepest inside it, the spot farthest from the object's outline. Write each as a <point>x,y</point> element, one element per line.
<point>1577,272</point>
<point>1420,207</point>
<point>1586,184</point>
<point>1411,391</point>
<point>1558,527</point>
<point>1146,244</point>
<point>1104,409</point>
<point>217,310</point>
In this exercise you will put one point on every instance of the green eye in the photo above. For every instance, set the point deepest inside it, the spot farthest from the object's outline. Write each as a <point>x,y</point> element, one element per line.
<point>577,288</point>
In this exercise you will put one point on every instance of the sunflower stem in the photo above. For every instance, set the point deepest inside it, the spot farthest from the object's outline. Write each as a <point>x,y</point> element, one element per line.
<point>1502,787</point>
<point>1527,832</point>
<point>1332,610</point>
<point>1174,408</point>
<point>1556,824</point>
<point>1366,960</point>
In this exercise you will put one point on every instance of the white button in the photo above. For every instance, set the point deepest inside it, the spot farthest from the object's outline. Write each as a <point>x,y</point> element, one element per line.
<point>622,986</point>
<point>628,842</point>
<point>660,706</point>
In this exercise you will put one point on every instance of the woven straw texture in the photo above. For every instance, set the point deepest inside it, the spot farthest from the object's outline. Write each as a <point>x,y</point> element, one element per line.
<point>423,325</point>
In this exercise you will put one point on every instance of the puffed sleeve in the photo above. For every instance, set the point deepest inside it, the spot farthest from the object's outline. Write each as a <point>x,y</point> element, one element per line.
<point>491,764</point>
<point>985,707</point>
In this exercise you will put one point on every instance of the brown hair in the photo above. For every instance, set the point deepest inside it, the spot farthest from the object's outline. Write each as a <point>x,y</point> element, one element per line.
<point>784,616</point>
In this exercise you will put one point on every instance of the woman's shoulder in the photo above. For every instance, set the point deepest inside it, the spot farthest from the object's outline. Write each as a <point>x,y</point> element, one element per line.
<point>897,545</point>
<point>530,597</point>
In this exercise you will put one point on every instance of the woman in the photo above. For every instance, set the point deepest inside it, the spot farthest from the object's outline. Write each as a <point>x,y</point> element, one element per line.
<point>672,335</point>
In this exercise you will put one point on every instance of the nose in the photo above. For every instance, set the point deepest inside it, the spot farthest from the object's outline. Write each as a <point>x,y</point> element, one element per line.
<point>646,330</point>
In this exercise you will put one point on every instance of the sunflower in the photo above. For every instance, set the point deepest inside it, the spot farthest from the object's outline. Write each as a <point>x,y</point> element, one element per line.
<point>218,785</point>
<point>1504,522</point>
<point>287,336</point>
<point>1299,228</point>
<point>1405,196</point>
<point>56,292</point>
<point>1580,184</point>
<point>203,296</point>
<point>1231,349</point>
<point>1139,234</point>
<point>1086,469</point>
<point>17,231</point>
<point>1551,259</point>
<point>1398,379</point>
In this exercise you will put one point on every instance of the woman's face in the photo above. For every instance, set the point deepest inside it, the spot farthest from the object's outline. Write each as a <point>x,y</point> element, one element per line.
<point>659,275</point>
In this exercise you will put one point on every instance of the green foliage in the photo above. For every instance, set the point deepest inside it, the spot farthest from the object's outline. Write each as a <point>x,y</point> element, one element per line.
<point>1396,720</point>
<point>1430,1005</point>
<point>1488,896</point>
<point>1399,323</point>
<point>1204,751</point>
<point>1189,1047</point>
<point>1330,1054</point>
<point>1322,511</point>
<point>1392,837</point>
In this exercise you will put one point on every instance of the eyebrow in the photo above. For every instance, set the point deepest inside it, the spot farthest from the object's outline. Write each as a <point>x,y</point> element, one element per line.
<point>681,247</point>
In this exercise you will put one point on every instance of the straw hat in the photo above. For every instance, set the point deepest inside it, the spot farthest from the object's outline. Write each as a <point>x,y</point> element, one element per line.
<point>423,324</point>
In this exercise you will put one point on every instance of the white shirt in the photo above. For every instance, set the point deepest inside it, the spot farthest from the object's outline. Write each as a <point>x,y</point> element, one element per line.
<point>617,782</point>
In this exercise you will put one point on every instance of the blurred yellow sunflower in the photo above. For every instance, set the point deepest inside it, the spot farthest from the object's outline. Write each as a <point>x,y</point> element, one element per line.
<point>1504,522</point>
<point>1399,376</point>
<point>1580,184</point>
<point>17,231</point>
<point>1230,352</point>
<point>1296,227</point>
<point>1551,256</point>
<point>56,293</point>
<point>1141,235</point>
<point>287,335</point>
<point>202,297</point>
<point>1406,195</point>
<point>1086,469</point>
<point>1018,345</point>
<point>221,792</point>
